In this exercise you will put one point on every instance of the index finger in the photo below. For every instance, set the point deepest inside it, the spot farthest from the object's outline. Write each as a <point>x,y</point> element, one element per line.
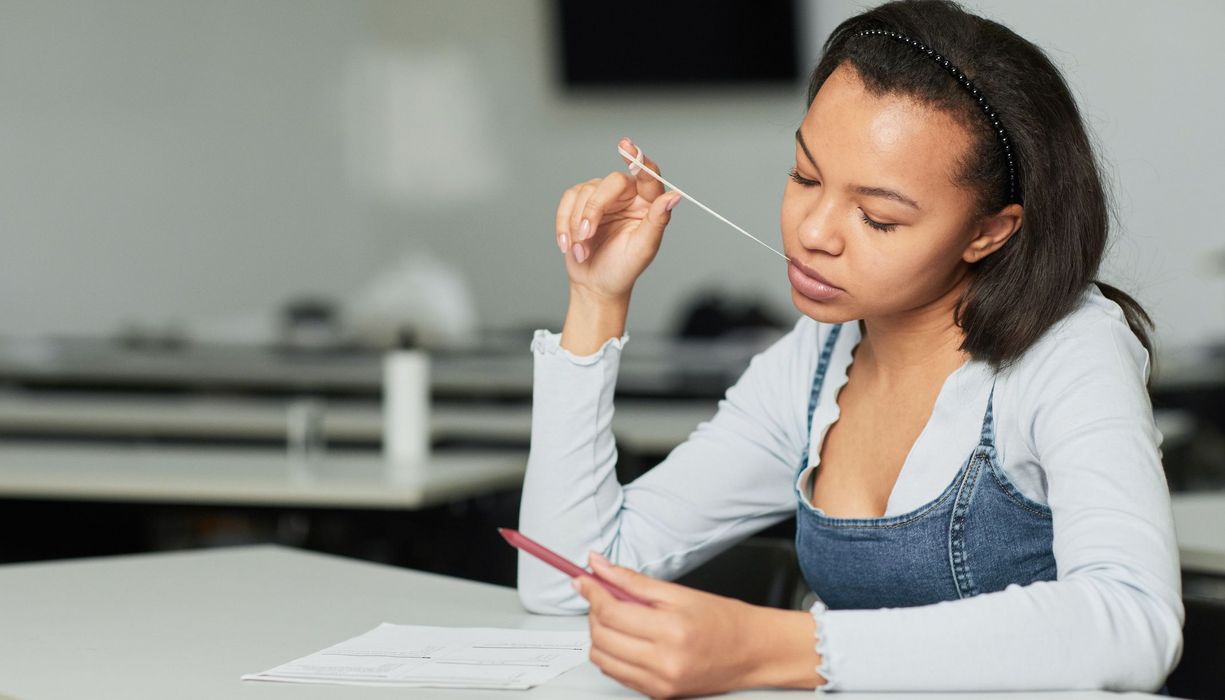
<point>648,187</point>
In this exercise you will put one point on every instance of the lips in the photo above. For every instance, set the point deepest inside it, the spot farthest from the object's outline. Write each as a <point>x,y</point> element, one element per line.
<point>806,281</point>
<point>813,274</point>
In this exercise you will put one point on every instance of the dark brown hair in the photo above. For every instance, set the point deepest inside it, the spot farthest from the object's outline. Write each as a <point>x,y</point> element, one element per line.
<point>1037,277</point>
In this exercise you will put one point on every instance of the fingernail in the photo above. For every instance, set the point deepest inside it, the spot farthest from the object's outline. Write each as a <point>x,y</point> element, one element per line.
<point>675,201</point>
<point>596,556</point>
<point>576,585</point>
<point>580,252</point>
<point>584,230</point>
<point>563,242</point>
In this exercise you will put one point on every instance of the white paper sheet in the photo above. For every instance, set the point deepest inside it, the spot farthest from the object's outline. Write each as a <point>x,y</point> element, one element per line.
<point>439,657</point>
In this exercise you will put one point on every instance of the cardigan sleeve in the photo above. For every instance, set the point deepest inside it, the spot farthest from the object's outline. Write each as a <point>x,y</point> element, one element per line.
<point>732,477</point>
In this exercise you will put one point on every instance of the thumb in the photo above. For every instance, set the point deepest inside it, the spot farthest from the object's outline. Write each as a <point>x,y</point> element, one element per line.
<point>640,585</point>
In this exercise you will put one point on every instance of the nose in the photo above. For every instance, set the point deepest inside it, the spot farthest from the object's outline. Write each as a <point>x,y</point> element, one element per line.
<point>821,229</point>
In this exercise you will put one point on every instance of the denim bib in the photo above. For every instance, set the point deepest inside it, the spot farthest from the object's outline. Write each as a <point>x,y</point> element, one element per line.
<point>981,534</point>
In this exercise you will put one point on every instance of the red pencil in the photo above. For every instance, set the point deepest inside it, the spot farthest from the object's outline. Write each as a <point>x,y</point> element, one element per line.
<point>521,541</point>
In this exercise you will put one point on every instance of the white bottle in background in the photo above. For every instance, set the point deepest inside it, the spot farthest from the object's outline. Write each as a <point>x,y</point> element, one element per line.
<point>406,411</point>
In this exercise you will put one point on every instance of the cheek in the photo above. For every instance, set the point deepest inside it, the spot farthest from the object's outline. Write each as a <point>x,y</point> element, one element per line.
<point>926,267</point>
<point>797,207</point>
<point>789,217</point>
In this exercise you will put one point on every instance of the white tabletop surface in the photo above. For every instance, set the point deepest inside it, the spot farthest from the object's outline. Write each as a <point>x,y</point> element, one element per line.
<point>188,625</point>
<point>1199,520</point>
<point>643,425</point>
<point>250,476</point>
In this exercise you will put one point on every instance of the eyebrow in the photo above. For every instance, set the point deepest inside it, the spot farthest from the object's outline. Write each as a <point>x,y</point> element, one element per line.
<point>862,189</point>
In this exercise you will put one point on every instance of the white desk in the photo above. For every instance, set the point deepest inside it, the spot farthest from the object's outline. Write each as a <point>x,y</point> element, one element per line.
<point>263,476</point>
<point>646,426</point>
<point>247,476</point>
<point>1199,519</point>
<point>187,625</point>
<point>657,366</point>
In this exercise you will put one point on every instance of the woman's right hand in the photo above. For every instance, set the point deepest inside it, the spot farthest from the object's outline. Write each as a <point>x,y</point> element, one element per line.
<point>609,229</point>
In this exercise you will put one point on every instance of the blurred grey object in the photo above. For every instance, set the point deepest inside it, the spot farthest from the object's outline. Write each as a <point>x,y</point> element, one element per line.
<point>311,323</point>
<point>420,294</point>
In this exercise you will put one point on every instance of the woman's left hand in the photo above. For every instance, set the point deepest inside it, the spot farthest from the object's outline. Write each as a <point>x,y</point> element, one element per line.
<point>686,641</point>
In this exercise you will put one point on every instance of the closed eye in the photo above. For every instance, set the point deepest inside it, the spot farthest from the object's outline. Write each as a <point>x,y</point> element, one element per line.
<point>876,224</point>
<point>800,179</point>
<point>805,182</point>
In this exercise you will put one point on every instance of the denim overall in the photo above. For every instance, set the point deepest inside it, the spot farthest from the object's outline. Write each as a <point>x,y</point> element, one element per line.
<point>979,535</point>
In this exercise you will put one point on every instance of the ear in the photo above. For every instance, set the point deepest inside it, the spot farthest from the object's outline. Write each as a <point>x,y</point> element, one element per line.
<point>993,231</point>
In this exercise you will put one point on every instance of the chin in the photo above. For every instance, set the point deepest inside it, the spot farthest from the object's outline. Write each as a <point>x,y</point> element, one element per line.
<point>824,313</point>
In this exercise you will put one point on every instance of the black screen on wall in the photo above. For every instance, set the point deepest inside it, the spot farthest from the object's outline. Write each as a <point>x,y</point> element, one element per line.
<point>639,43</point>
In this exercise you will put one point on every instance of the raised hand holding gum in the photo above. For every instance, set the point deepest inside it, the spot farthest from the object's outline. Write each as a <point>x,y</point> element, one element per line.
<point>637,165</point>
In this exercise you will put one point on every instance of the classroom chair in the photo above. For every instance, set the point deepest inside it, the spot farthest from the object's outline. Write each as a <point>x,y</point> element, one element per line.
<point>759,570</point>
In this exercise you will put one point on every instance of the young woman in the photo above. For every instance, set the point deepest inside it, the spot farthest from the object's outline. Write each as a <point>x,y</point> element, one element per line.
<point>959,421</point>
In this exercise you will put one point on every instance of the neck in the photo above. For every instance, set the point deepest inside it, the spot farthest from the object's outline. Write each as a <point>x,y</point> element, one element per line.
<point>894,347</point>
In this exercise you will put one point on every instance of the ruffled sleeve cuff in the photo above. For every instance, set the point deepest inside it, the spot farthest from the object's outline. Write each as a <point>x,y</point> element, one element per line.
<point>818,610</point>
<point>548,344</point>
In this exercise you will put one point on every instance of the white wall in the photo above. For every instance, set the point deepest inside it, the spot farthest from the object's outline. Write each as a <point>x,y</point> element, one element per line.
<point>168,160</point>
<point>171,159</point>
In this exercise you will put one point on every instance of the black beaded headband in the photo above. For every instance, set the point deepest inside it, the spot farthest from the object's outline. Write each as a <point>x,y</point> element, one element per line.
<point>1013,195</point>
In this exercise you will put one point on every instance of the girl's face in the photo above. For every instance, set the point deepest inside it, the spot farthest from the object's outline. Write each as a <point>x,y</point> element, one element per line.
<point>872,208</point>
